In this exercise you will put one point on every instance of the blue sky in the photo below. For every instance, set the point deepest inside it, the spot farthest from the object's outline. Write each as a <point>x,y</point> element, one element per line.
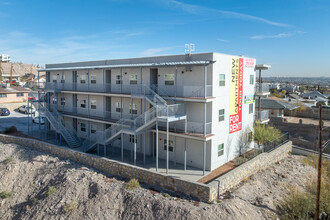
<point>291,35</point>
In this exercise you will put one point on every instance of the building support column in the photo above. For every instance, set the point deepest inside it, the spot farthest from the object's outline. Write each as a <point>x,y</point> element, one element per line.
<point>122,146</point>
<point>205,80</point>
<point>105,150</point>
<point>167,143</point>
<point>174,151</point>
<point>156,145</point>
<point>135,149</point>
<point>88,104</point>
<point>185,155</point>
<point>176,87</point>
<point>153,147</point>
<point>204,157</point>
<point>121,91</point>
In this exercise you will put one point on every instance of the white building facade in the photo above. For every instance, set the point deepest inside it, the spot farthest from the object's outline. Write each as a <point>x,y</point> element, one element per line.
<point>199,104</point>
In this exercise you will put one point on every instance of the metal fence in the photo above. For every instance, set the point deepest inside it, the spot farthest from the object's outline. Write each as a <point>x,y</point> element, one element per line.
<point>272,145</point>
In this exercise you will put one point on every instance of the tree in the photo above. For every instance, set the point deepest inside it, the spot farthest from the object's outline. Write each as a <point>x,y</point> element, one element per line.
<point>264,133</point>
<point>284,91</point>
<point>245,138</point>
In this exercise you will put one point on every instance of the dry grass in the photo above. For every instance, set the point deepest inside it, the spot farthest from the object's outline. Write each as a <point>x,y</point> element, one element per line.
<point>132,184</point>
<point>50,191</point>
<point>70,207</point>
<point>5,194</point>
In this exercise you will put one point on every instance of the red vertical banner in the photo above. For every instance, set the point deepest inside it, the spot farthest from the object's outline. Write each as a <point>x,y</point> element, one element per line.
<point>236,95</point>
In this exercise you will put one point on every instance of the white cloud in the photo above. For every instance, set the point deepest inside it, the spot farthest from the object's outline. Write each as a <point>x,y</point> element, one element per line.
<point>196,9</point>
<point>280,35</point>
<point>158,51</point>
<point>223,40</point>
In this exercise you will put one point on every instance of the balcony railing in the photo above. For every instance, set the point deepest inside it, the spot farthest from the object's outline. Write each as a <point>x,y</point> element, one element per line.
<point>262,115</point>
<point>185,91</point>
<point>262,88</point>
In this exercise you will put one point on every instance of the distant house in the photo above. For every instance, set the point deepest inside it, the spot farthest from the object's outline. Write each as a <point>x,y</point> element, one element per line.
<point>313,95</point>
<point>290,88</point>
<point>275,107</point>
<point>10,94</point>
<point>294,96</point>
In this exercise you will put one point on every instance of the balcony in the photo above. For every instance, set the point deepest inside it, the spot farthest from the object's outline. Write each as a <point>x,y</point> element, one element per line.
<point>185,91</point>
<point>262,116</point>
<point>262,89</point>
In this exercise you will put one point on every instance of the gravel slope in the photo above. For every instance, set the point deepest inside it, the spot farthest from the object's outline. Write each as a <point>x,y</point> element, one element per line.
<point>97,196</point>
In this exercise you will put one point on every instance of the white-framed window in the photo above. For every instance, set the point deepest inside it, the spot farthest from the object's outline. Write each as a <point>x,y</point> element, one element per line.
<point>251,79</point>
<point>251,108</point>
<point>169,79</point>
<point>62,100</point>
<point>54,78</point>
<point>118,79</point>
<point>83,127</point>
<point>19,94</point>
<point>82,103</point>
<point>63,78</point>
<point>221,114</point>
<point>222,79</point>
<point>3,95</point>
<point>93,128</point>
<point>170,145</point>
<point>118,107</point>
<point>134,109</point>
<point>93,104</point>
<point>133,79</point>
<point>93,79</point>
<point>220,149</point>
<point>83,79</point>
<point>54,101</point>
<point>131,139</point>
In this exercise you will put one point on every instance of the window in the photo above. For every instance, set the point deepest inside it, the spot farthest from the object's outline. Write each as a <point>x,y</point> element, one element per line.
<point>83,104</point>
<point>251,79</point>
<point>118,107</point>
<point>83,127</point>
<point>54,101</point>
<point>63,78</point>
<point>170,145</point>
<point>63,101</point>
<point>83,79</point>
<point>131,139</point>
<point>54,78</point>
<point>134,109</point>
<point>93,79</point>
<point>221,115</point>
<point>133,79</point>
<point>93,104</point>
<point>251,108</point>
<point>169,79</point>
<point>19,94</point>
<point>222,80</point>
<point>118,79</point>
<point>280,113</point>
<point>93,129</point>
<point>220,150</point>
<point>3,95</point>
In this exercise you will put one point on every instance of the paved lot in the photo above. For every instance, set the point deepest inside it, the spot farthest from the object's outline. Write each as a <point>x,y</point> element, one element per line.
<point>19,120</point>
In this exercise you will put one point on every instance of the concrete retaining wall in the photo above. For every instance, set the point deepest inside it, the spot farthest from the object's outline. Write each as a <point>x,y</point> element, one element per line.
<point>309,113</point>
<point>237,175</point>
<point>204,192</point>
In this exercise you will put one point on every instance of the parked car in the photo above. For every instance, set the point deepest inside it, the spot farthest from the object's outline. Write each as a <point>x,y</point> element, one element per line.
<point>4,112</point>
<point>36,120</point>
<point>26,109</point>
<point>31,98</point>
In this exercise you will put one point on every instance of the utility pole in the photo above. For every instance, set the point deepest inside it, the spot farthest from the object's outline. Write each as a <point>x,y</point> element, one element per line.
<point>11,74</point>
<point>319,166</point>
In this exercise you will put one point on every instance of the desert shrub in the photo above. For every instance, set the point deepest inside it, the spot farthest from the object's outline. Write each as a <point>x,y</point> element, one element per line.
<point>264,133</point>
<point>70,207</point>
<point>8,160</point>
<point>5,194</point>
<point>10,130</point>
<point>166,195</point>
<point>240,160</point>
<point>50,191</point>
<point>132,184</point>
<point>301,204</point>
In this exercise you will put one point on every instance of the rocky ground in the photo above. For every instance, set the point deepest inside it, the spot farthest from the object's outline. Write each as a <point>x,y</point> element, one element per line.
<point>83,193</point>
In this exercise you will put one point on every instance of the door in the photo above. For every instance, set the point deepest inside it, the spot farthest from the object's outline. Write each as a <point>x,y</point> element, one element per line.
<point>108,80</point>
<point>153,77</point>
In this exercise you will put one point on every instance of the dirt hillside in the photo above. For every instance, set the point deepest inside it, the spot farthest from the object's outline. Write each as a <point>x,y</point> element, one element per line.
<point>46,187</point>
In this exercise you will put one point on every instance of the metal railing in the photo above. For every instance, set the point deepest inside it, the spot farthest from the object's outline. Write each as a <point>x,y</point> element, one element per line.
<point>261,87</point>
<point>197,91</point>
<point>272,145</point>
<point>262,115</point>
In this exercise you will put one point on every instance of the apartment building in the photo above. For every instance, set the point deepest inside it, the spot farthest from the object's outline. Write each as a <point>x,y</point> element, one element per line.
<point>187,109</point>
